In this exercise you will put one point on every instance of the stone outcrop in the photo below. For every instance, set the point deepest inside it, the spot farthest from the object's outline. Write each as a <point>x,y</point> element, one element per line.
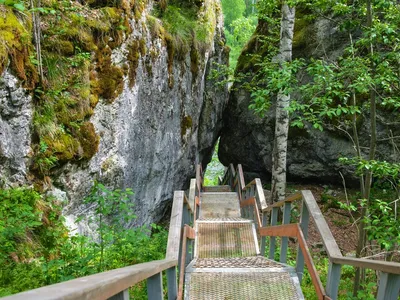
<point>153,133</point>
<point>312,155</point>
<point>16,112</point>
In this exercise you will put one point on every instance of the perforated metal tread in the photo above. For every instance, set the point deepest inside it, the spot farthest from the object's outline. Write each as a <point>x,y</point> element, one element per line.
<point>225,239</point>
<point>235,262</point>
<point>219,205</point>
<point>242,286</point>
<point>217,188</point>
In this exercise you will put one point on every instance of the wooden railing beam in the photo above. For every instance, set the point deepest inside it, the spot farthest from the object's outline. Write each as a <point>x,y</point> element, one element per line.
<point>124,295</point>
<point>98,286</point>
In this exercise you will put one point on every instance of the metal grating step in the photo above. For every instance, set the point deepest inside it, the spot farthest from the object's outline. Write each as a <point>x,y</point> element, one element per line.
<point>242,285</point>
<point>217,188</point>
<point>219,205</point>
<point>225,239</point>
<point>234,262</point>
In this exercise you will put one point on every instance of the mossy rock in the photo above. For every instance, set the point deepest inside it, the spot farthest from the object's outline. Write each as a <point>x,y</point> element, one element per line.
<point>186,123</point>
<point>16,46</point>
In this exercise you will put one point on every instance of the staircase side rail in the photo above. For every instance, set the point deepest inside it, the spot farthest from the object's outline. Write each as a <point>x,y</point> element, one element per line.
<point>281,203</point>
<point>294,231</point>
<point>188,234</point>
<point>199,177</point>
<point>389,287</point>
<point>115,283</point>
<point>102,285</point>
<point>229,175</point>
<point>194,199</point>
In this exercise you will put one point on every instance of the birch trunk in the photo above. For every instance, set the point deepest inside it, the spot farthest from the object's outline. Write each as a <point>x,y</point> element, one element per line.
<point>282,115</point>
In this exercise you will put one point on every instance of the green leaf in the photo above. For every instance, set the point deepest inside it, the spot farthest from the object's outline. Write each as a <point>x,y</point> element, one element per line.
<point>19,6</point>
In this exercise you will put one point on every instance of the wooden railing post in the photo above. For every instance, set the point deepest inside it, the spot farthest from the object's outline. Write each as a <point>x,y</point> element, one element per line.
<point>284,240</point>
<point>172,283</point>
<point>272,239</point>
<point>155,287</point>
<point>304,220</point>
<point>332,283</point>
<point>123,295</point>
<point>389,286</point>
<point>263,238</point>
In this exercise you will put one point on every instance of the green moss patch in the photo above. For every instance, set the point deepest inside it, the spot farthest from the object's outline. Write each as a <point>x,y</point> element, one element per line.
<point>16,47</point>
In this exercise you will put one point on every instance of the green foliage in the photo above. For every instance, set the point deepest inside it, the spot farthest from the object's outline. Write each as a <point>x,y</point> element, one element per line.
<point>36,248</point>
<point>16,4</point>
<point>233,9</point>
<point>241,29</point>
<point>214,169</point>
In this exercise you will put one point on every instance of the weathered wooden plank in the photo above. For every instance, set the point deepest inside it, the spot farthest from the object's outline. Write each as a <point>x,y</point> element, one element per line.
<point>289,230</point>
<point>190,232</point>
<point>182,265</point>
<point>389,287</point>
<point>291,198</point>
<point>304,220</point>
<point>124,295</point>
<point>260,194</point>
<point>247,202</point>
<point>155,287</point>
<point>172,283</point>
<point>332,283</point>
<point>192,194</point>
<point>284,240</point>
<point>272,242</point>
<point>253,182</point>
<point>241,176</point>
<point>322,227</point>
<point>199,179</point>
<point>175,226</point>
<point>383,266</point>
<point>257,214</point>
<point>98,286</point>
<point>310,265</point>
<point>263,238</point>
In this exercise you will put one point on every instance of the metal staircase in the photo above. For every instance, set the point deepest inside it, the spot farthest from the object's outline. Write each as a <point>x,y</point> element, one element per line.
<point>217,242</point>
<point>227,262</point>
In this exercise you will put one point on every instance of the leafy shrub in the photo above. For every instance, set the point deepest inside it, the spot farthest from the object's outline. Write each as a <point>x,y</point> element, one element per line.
<point>36,248</point>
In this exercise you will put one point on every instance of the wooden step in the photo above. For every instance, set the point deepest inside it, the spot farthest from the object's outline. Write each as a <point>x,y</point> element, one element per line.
<point>217,188</point>
<point>219,205</point>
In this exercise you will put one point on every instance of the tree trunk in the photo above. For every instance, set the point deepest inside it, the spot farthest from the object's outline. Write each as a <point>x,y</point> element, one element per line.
<point>282,103</point>
<point>359,278</point>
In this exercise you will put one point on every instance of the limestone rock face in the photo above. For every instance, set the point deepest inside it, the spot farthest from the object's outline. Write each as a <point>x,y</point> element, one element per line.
<point>312,155</point>
<point>151,135</point>
<point>154,133</point>
<point>15,130</point>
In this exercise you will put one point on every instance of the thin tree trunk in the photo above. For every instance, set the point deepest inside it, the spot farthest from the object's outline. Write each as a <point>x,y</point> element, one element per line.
<point>282,103</point>
<point>359,278</point>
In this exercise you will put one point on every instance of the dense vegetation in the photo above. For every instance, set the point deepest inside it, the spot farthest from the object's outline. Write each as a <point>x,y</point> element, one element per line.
<point>37,249</point>
<point>346,93</point>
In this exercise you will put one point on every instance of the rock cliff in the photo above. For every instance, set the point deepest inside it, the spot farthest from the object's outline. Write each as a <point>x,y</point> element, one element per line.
<point>151,117</point>
<point>312,155</point>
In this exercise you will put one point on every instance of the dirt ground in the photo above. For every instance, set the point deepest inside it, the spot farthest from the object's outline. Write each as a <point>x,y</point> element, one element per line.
<point>339,220</point>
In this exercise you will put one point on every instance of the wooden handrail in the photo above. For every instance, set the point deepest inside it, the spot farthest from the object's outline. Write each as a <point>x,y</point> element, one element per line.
<point>98,286</point>
<point>327,238</point>
<point>188,233</point>
<point>291,198</point>
<point>261,196</point>
<point>241,176</point>
<point>253,182</point>
<point>192,194</point>
<point>294,230</point>
<point>175,226</point>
